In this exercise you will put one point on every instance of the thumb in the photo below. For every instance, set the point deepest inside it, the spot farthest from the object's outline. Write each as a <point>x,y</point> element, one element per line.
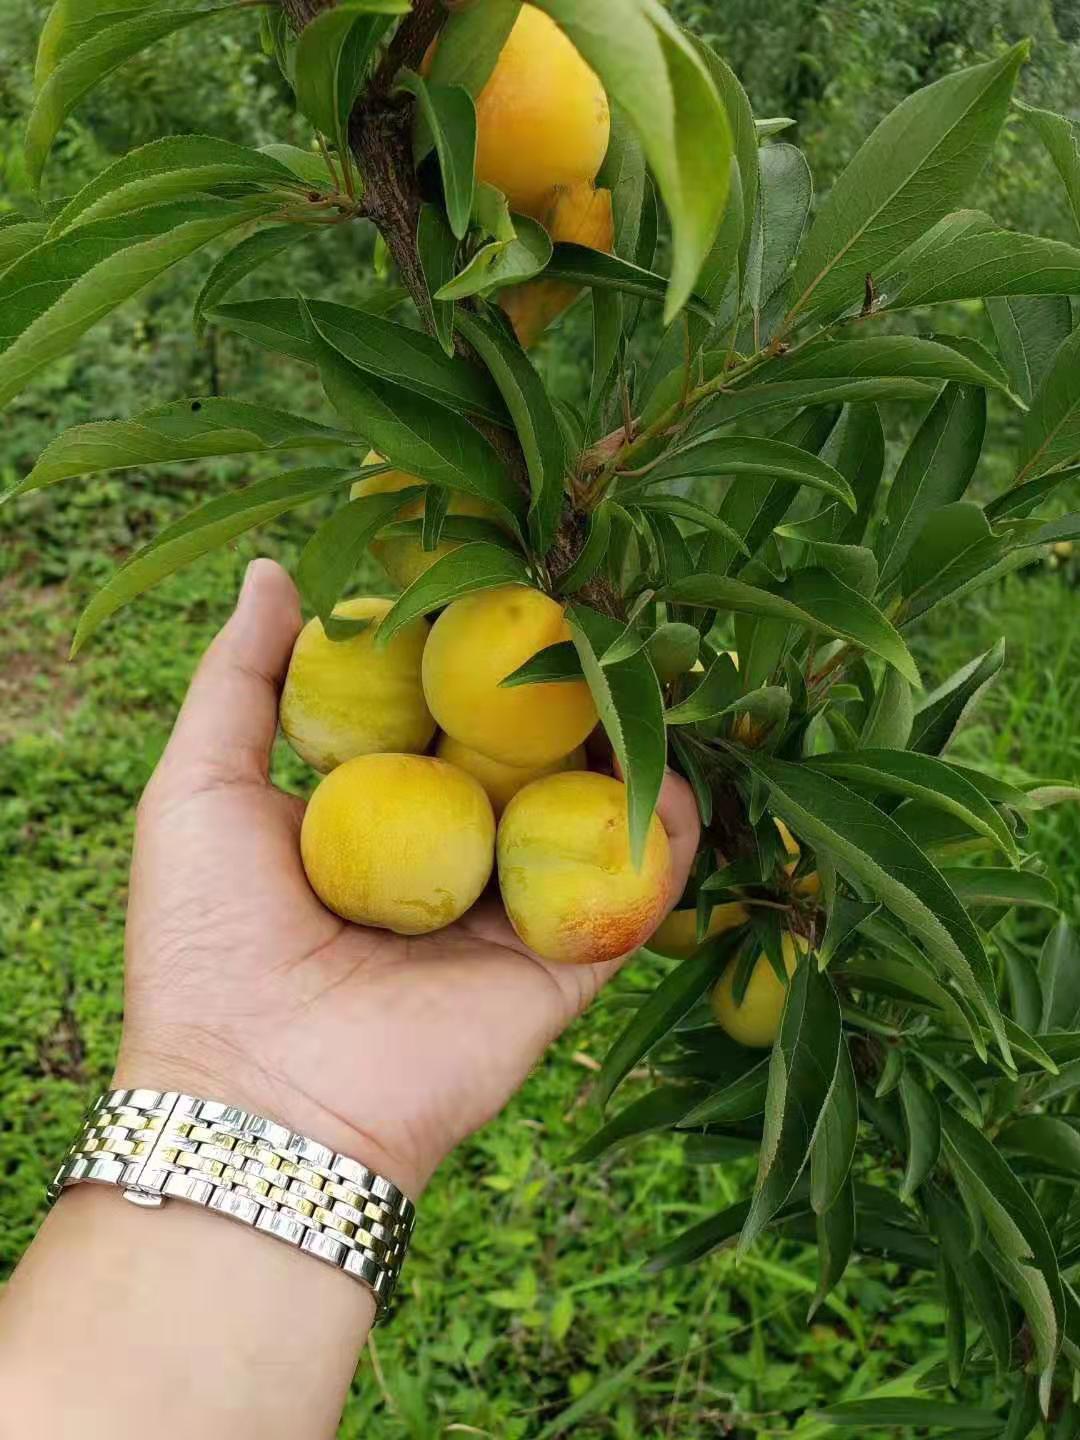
<point>225,730</point>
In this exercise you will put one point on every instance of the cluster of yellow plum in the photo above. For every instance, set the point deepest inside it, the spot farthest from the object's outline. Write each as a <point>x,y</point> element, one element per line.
<point>543,126</point>
<point>404,839</point>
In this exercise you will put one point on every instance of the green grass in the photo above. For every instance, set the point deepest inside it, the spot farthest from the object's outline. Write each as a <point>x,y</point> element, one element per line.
<point>524,1296</point>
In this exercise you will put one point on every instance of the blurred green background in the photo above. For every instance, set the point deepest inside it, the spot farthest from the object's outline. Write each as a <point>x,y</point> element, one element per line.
<point>526,1313</point>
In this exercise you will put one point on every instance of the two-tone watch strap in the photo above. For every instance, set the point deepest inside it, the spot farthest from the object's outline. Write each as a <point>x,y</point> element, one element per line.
<point>165,1145</point>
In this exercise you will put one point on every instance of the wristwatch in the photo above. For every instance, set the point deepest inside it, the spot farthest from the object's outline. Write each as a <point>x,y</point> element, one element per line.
<point>164,1145</point>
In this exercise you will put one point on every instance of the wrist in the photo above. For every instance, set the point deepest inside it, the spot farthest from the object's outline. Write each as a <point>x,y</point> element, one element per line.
<point>236,1081</point>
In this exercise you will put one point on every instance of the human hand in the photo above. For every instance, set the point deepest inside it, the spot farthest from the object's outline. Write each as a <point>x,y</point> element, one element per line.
<point>241,986</point>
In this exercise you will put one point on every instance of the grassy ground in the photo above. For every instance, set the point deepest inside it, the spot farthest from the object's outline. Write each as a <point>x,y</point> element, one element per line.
<point>525,1306</point>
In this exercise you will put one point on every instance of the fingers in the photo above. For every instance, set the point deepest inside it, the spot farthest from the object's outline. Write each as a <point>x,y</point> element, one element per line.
<point>678,814</point>
<point>226,729</point>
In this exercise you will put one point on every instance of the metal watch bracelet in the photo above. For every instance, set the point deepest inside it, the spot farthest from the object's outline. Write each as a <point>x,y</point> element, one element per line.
<point>165,1145</point>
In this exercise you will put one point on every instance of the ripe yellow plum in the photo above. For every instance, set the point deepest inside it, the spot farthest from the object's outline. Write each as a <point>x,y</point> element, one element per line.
<point>403,557</point>
<point>756,1021</point>
<point>477,642</point>
<point>567,881</point>
<point>502,782</point>
<point>350,697</point>
<point>542,118</point>
<point>579,214</point>
<point>677,935</point>
<point>402,842</point>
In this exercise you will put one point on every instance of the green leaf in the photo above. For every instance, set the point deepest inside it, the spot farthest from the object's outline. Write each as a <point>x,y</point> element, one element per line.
<point>887,1411</point>
<point>709,1234</point>
<point>1019,500</point>
<point>176,167</point>
<point>203,529</point>
<point>579,265</point>
<point>914,357</point>
<point>818,602</point>
<point>922,777</point>
<point>332,55</point>
<point>1018,1227</point>
<point>913,169</point>
<point>464,571</point>
<point>835,1243</point>
<point>867,844</point>
<point>534,419</point>
<point>658,1015</point>
<point>502,262</point>
<point>987,1299</point>
<point>943,711</point>
<point>783,204</point>
<point>744,139</point>
<point>834,1146</point>
<point>922,1121</point>
<point>330,557</point>
<point>306,165</point>
<point>55,293</point>
<point>470,42</point>
<point>437,252</point>
<point>987,886</point>
<point>696,514</point>
<point>1050,435</point>
<point>889,719</point>
<point>70,23</point>
<point>1062,142</point>
<point>236,264</point>
<point>739,1098</point>
<point>79,70</point>
<point>181,430</point>
<point>414,433</point>
<point>1029,329</point>
<point>553,663</point>
<point>748,400</point>
<point>655,73</point>
<point>756,504</point>
<point>405,357</point>
<point>450,119</point>
<point>935,471</point>
<point>631,710</point>
<point>839,610</point>
<point>747,455</point>
<point>802,1075</point>
<point>1045,1137</point>
<point>658,1110</point>
<point>592,553</point>
<point>966,256</point>
<point>1059,975</point>
<point>18,239</point>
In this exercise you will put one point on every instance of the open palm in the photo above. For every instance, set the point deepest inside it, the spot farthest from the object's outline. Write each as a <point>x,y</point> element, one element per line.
<point>242,986</point>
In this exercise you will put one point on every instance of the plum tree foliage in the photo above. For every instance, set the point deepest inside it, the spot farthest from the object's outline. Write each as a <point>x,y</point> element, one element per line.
<point>740,577</point>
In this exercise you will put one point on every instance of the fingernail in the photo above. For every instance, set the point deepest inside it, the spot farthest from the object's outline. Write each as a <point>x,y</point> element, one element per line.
<point>248,585</point>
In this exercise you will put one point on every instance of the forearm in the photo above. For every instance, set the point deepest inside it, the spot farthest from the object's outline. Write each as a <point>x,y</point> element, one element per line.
<point>124,1322</point>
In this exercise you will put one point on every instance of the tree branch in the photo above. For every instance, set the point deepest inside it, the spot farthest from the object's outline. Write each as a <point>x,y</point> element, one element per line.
<point>380,136</point>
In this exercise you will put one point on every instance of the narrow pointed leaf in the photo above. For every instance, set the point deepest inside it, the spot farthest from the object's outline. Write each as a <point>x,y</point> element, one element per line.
<point>653,71</point>
<point>749,455</point>
<point>534,420</point>
<point>922,1121</point>
<point>56,292</point>
<point>1059,974</point>
<point>579,265</point>
<point>631,709</point>
<point>868,844</point>
<point>944,709</point>
<point>82,68</point>
<point>464,571</point>
<point>658,1015</point>
<point>834,1148</point>
<point>835,1243</point>
<point>239,262</point>
<point>553,663</point>
<point>921,777</point>
<point>205,528</point>
<point>450,120</point>
<point>915,167</point>
<point>330,557</point>
<point>658,1110</point>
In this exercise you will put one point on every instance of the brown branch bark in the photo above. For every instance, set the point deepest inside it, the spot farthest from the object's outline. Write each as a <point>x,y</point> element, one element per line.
<point>380,136</point>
